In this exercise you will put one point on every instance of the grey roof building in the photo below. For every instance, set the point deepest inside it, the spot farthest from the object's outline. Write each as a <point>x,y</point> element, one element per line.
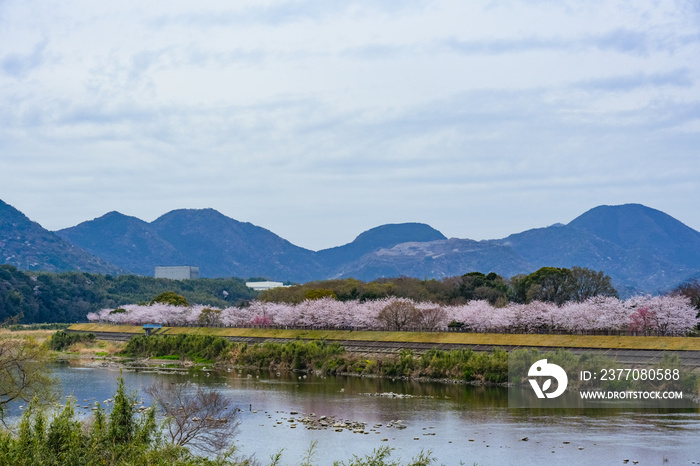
<point>178,273</point>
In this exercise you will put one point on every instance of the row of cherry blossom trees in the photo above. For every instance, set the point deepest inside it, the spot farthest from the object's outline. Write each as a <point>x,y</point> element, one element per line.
<point>645,315</point>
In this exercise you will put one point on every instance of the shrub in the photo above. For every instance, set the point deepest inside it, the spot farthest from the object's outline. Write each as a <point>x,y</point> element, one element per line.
<point>61,340</point>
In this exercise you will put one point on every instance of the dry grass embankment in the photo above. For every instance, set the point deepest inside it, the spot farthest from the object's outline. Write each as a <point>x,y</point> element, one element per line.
<point>38,335</point>
<point>497,339</point>
<point>98,348</point>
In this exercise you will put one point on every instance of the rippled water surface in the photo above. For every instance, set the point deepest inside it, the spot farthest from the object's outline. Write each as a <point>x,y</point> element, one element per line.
<point>458,424</point>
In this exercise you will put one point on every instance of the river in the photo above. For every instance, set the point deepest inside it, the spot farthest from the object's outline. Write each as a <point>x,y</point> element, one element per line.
<point>458,424</point>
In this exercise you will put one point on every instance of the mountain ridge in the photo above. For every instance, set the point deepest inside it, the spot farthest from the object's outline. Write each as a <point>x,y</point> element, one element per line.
<point>27,245</point>
<point>642,249</point>
<point>222,246</point>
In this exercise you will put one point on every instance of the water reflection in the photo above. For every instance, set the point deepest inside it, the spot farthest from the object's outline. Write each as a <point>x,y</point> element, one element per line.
<point>456,422</point>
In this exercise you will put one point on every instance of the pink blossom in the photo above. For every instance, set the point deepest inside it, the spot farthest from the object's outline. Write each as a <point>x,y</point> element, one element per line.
<point>672,315</point>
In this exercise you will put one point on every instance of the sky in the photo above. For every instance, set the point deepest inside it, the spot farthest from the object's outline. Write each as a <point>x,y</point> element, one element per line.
<point>319,120</point>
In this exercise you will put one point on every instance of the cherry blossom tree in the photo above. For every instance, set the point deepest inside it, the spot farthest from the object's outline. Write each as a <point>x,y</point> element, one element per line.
<point>673,315</point>
<point>643,320</point>
<point>663,315</point>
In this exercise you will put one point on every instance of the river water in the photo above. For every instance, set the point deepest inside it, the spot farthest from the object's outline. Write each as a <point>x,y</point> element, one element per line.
<point>458,424</point>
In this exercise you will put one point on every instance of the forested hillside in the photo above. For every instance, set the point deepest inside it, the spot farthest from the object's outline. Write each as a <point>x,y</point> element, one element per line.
<point>29,297</point>
<point>27,245</point>
<point>548,284</point>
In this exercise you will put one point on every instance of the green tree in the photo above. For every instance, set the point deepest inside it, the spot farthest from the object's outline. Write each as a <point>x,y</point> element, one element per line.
<point>121,439</point>
<point>584,283</point>
<point>547,284</point>
<point>319,293</point>
<point>122,426</point>
<point>209,317</point>
<point>64,437</point>
<point>559,285</point>
<point>491,287</point>
<point>172,298</point>
<point>62,340</point>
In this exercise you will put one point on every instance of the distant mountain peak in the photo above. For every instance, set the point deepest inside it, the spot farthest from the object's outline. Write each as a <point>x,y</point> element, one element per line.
<point>381,237</point>
<point>399,233</point>
<point>641,248</point>
<point>116,215</point>
<point>207,211</point>
<point>7,212</point>
<point>634,226</point>
<point>27,245</point>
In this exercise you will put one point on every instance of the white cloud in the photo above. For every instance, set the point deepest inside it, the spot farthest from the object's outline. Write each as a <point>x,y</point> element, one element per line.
<point>318,120</point>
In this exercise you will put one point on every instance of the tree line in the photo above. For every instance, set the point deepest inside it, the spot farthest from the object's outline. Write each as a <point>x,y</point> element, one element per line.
<point>29,297</point>
<point>639,315</point>
<point>548,284</point>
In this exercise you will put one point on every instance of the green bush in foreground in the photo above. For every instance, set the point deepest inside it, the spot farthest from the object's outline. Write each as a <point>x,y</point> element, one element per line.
<point>120,438</point>
<point>62,340</point>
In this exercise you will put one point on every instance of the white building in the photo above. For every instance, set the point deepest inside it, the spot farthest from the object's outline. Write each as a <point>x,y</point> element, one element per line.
<point>178,273</point>
<point>260,286</point>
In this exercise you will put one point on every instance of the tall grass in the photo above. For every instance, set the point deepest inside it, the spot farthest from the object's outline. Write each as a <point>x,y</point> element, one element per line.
<point>326,357</point>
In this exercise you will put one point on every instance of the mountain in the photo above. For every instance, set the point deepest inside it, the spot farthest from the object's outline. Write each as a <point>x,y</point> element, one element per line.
<point>381,237</point>
<point>643,230</point>
<point>127,241</point>
<point>27,245</point>
<point>435,259</point>
<point>642,249</point>
<point>220,246</point>
<point>224,247</point>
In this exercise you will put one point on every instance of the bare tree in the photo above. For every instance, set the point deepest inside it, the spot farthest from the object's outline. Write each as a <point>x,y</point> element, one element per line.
<point>201,418</point>
<point>433,318</point>
<point>399,315</point>
<point>23,372</point>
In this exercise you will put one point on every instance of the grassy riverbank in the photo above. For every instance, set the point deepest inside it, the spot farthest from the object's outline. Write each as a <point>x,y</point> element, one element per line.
<point>497,339</point>
<point>323,357</point>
